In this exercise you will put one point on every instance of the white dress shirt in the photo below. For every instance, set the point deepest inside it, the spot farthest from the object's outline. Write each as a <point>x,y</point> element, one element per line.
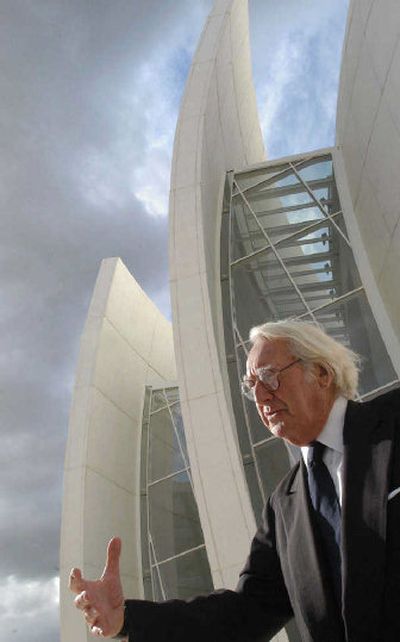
<point>332,437</point>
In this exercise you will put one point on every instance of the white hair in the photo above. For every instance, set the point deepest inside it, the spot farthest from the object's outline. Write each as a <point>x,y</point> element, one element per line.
<point>312,345</point>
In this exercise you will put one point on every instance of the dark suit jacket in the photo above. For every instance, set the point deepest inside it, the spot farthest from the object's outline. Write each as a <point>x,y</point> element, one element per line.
<point>286,573</point>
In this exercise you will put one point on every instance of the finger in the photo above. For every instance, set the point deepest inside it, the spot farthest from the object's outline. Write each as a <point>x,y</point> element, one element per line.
<point>95,630</point>
<point>82,602</point>
<point>76,582</point>
<point>113,554</point>
<point>91,615</point>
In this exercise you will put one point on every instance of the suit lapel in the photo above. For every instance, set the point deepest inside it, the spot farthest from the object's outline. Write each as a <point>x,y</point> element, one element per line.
<point>367,453</point>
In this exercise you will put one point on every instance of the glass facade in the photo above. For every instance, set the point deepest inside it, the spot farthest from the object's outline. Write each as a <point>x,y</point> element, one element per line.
<point>175,563</point>
<point>285,252</point>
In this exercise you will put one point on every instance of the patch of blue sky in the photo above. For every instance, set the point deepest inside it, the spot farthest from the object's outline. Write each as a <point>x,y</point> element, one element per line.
<point>302,215</point>
<point>179,66</point>
<point>168,78</point>
<point>300,88</point>
<point>314,172</point>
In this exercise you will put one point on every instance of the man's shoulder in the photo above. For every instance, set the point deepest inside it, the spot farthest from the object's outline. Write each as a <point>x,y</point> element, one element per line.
<point>388,402</point>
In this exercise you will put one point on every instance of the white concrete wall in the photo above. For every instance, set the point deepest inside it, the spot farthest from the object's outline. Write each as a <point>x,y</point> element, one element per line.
<point>126,344</point>
<point>368,133</point>
<point>218,130</point>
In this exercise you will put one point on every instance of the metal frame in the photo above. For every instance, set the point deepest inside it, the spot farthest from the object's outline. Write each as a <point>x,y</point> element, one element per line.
<point>151,563</point>
<point>253,226</point>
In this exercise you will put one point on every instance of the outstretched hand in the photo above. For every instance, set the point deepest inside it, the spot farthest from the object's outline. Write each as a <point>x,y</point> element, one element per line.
<point>101,601</point>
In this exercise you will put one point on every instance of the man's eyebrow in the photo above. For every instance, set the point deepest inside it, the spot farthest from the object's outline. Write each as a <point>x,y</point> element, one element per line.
<point>253,374</point>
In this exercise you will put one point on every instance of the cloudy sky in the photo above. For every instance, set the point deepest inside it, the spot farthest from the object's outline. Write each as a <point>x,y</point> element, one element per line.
<point>90,92</point>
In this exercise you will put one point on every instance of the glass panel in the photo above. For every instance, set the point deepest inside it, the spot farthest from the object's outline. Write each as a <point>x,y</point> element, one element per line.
<point>273,463</point>
<point>144,533</point>
<point>321,264</point>
<point>256,286</point>
<point>314,171</point>
<point>158,590</point>
<point>351,322</point>
<point>272,183</point>
<point>165,456</point>
<point>148,588</point>
<point>271,203</point>
<point>282,201</point>
<point>297,219</point>
<point>172,394</point>
<point>187,576</point>
<point>247,236</point>
<point>178,421</point>
<point>170,523</point>
<point>237,405</point>
<point>254,177</point>
<point>257,499</point>
<point>174,519</point>
<point>158,400</point>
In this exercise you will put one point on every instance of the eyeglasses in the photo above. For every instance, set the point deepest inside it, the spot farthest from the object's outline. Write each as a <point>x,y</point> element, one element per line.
<point>268,378</point>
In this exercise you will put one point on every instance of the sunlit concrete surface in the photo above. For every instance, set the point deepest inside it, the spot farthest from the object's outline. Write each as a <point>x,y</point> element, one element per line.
<point>368,131</point>
<point>218,130</point>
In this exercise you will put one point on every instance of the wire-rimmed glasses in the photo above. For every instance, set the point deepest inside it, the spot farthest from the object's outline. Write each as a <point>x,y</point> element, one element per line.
<point>269,379</point>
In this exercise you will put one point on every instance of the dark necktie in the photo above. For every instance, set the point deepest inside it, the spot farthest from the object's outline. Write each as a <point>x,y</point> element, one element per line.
<point>327,510</point>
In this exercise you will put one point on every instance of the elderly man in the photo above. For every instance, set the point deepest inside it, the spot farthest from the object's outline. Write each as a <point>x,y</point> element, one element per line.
<point>328,548</point>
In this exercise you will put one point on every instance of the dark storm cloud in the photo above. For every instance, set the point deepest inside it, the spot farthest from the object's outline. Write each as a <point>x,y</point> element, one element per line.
<point>73,127</point>
<point>45,303</point>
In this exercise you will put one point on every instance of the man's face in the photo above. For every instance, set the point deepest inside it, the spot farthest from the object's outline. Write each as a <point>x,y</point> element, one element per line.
<point>297,411</point>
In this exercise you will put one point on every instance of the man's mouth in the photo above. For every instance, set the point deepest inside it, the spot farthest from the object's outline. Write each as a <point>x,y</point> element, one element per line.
<point>271,413</point>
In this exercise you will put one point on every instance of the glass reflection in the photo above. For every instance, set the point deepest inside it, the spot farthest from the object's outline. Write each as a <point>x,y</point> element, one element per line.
<point>174,518</point>
<point>165,456</point>
<point>186,576</point>
<point>170,523</point>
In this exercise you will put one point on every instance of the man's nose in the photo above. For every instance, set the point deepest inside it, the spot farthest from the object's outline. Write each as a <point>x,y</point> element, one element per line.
<point>262,393</point>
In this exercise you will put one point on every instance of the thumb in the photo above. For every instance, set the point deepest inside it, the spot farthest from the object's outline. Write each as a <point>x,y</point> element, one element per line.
<point>113,555</point>
<point>76,583</point>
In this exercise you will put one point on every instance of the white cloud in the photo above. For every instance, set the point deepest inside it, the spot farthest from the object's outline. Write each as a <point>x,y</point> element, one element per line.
<point>37,601</point>
<point>137,159</point>
<point>271,93</point>
<point>150,179</point>
<point>33,598</point>
<point>297,76</point>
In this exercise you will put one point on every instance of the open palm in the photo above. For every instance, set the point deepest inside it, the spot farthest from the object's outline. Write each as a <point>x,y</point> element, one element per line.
<point>102,600</point>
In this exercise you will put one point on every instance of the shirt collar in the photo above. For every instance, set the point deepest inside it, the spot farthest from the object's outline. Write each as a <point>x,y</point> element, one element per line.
<point>332,433</point>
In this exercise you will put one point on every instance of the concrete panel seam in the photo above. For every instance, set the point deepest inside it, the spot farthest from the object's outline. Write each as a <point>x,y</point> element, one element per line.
<point>111,481</point>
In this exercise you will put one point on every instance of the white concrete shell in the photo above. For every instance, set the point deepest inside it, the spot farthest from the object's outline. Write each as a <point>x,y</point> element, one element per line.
<point>126,345</point>
<point>368,134</point>
<point>218,130</point>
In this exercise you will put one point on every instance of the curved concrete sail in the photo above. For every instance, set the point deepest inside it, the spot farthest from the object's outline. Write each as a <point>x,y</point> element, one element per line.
<point>368,135</point>
<point>126,345</point>
<point>218,130</point>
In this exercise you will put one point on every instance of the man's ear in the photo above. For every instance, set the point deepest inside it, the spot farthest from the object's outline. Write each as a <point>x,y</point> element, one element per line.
<point>324,376</point>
